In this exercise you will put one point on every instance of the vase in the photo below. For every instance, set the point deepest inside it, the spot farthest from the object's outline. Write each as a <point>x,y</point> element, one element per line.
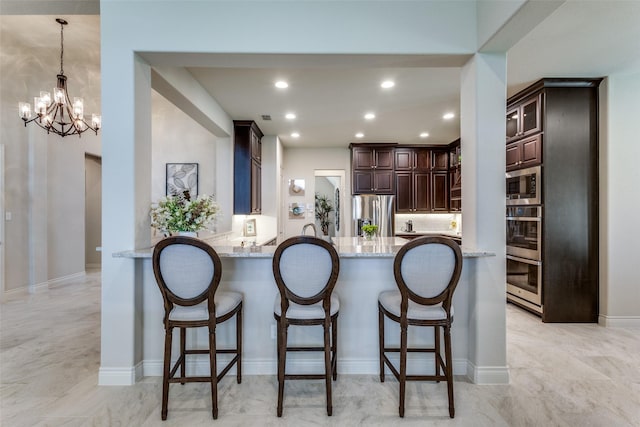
<point>187,233</point>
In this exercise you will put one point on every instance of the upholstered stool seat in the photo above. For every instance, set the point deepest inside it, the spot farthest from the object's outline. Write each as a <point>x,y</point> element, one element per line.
<point>225,303</point>
<point>313,311</point>
<point>390,301</point>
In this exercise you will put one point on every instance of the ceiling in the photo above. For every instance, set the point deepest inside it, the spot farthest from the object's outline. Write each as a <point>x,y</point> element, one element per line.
<point>579,39</point>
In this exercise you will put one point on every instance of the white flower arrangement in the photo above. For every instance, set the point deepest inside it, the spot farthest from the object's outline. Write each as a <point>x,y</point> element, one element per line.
<point>182,213</point>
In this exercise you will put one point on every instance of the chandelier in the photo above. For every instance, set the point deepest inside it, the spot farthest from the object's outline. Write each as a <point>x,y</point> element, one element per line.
<point>59,114</point>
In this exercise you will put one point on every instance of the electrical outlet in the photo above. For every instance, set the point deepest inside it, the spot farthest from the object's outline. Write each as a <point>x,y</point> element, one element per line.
<point>273,332</point>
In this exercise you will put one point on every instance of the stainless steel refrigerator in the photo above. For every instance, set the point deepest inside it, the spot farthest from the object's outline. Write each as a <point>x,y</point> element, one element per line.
<point>374,209</point>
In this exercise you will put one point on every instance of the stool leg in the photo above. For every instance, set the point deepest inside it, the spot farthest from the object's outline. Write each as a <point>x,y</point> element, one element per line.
<point>327,365</point>
<point>403,364</point>
<point>214,370</point>
<point>183,347</point>
<point>381,342</point>
<point>282,355</point>
<point>449,369</point>
<point>239,344</point>
<point>334,347</point>
<point>436,354</point>
<point>168,334</point>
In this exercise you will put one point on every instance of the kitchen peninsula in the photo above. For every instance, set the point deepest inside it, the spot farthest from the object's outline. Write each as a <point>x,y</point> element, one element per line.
<point>366,269</point>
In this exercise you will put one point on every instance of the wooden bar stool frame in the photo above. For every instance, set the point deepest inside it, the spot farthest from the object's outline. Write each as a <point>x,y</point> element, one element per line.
<point>328,322</point>
<point>170,300</point>
<point>444,298</point>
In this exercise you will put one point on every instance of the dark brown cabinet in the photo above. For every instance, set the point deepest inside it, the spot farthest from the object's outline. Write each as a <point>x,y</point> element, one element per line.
<point>524,153</point>
<point>524,118</point>
<point>413,179</point>
<point>439,192</point>
<point>372,170</point>
<point>247,168</point>
<point>439,160</point>
<point>455,177</point>
<point>566,123</point>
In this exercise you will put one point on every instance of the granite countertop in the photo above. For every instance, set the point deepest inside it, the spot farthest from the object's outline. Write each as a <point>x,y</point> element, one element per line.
<point>347,247</point>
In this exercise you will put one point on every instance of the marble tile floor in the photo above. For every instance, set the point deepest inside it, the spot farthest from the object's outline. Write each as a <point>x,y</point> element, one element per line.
<point>561,375</point>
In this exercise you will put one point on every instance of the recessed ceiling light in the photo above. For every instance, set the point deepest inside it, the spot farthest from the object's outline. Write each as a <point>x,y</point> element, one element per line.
<point>448,116</point>
<point>290,116</point>
<point>387,84</point>
<point>424,134</point>
<point>359,135</point>
<point>369,116</point>
<point>295,135</point>
<point>282,84</point>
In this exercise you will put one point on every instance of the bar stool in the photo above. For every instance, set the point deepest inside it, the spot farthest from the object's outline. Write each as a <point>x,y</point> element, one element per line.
<point>427,271</point>
<point>306,270</point>
<point>188,273</point>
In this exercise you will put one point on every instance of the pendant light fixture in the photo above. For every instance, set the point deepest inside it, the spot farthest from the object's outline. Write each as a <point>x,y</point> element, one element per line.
<point>58,114</point>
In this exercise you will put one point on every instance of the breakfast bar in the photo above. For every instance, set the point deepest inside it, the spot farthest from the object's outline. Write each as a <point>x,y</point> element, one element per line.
<point>366,269</point>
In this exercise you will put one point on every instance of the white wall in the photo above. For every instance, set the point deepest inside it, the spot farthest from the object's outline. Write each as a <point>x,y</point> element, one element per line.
<point>300,163</point>
<point>44,175</point>
<point>619,201</point>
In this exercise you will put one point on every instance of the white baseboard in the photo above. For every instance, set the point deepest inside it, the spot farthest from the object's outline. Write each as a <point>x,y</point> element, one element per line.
<point>200,366</point>
<point>484,375</point>
<point>117,376</point>
<point>39,287</point>
<point>619,321</point>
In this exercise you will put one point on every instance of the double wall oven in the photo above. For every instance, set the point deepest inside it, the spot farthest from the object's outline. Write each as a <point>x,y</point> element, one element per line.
<point>524,238</point>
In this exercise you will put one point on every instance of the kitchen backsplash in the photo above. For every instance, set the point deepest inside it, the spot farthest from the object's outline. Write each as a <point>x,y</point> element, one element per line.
<point>429,222</point>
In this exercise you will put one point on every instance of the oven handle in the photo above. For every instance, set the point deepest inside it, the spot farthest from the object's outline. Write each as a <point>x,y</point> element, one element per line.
<point>524,260</point>
<point>523,218</point>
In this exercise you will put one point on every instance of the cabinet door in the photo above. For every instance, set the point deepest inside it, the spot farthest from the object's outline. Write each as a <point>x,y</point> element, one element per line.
<point>383,182</point>
<point>256,147</point>
<point>363,158</point>
<point>384,158</point>
<point>513,123</point>
<point>513,156</point>
<point>404,159</point>
<point>439,192</point>
<point>423,160</point>
<point>404,192</point>
<point>440,160</point>
<point>421,191</point>
<point>256,187</point>
<point>530,116</point>
<point>362,182</point>
<point>530,151</point>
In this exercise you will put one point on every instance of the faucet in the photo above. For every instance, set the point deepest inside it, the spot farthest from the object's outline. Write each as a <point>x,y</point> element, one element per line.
<point>312,225</point>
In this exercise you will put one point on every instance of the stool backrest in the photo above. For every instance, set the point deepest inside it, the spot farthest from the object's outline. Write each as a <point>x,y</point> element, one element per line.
<point>305,269</point>
<point>427,270</point>
<point>187,270</point>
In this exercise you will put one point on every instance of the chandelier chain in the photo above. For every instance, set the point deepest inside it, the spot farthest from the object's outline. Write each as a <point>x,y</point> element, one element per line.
<point>61,48</point>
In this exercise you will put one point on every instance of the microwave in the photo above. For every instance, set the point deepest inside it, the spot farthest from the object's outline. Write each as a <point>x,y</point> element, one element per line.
<point>524,186</point>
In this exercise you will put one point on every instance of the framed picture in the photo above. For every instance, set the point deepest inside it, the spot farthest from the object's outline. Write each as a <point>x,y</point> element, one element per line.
<point>250,227</point>
<point>296,187</point>
<point>182,177</point>
<point>296,211</point>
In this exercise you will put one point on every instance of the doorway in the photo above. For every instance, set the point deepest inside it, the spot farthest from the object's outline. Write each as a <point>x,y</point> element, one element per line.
<point>92,211</point>
<point>330,183</point>
<point>2,219</point>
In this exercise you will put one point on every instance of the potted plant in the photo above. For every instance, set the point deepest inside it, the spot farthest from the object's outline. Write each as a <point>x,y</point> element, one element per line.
<point>182,214</point>
<point>323,208</point>
<point>369,230</point>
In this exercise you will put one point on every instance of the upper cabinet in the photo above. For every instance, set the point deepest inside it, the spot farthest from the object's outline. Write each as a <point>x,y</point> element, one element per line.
<point>524,153</point>
<point>455,177</point>
<point>247,168</point>
<point>372,169</point>
<point>525,118</point>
